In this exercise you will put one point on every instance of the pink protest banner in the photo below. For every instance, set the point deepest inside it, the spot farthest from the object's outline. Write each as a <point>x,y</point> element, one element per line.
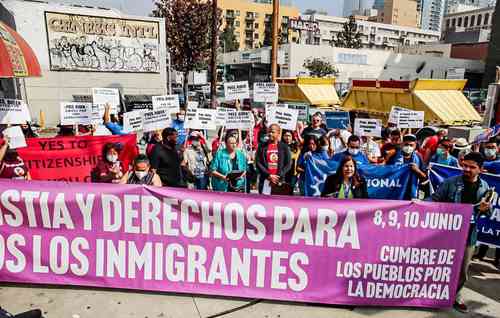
<point>357,252</point>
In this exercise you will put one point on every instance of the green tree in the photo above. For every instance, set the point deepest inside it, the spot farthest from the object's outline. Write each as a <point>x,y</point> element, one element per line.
<point>228,39</point>
<point>188,33</point>
<point>349,37</point>
<point>318,67</point>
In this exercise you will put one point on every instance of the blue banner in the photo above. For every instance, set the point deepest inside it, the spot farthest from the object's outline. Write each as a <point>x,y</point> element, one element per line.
<point>488,227</point>
<point>384,182</point>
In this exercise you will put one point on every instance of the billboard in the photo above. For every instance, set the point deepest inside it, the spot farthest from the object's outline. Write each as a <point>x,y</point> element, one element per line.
<point>102,44</point>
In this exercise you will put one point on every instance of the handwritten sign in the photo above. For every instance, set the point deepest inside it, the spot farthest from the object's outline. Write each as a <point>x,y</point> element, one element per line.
<point>201,118</point>
<point>133,121</point>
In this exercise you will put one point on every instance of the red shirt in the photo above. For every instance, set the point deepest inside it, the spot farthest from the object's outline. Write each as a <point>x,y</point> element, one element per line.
<point>272,158</point>
<point>14,170</point>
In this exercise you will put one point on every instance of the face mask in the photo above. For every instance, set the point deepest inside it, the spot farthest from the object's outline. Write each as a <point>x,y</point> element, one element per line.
<point>440,152</point>
<point>112,158</point>
<point>490,153</point>
<point>353,151</point>
<point>141,174</point>
<point>325,148</point>
<point>408,150</point>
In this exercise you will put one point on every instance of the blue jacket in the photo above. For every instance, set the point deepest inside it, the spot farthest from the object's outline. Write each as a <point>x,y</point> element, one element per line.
<point>360,158</point>
<point>451,191</point>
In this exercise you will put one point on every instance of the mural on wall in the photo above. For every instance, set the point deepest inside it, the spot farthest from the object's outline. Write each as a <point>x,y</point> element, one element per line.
<point>98,44</point>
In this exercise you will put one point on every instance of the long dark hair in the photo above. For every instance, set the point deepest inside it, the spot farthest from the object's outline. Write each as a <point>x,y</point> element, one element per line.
<point>339,174</point>
<point>306,144</point>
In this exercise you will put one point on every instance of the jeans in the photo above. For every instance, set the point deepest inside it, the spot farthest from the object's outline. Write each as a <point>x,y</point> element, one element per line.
<point>464,271</point>
<point>201,183</point>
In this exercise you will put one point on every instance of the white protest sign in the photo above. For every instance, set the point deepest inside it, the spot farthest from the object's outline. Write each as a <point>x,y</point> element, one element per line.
<point>192,104</point>
<point>155,120</point>
<point>239,120</point>
<point>284,117</point>
<point>170,102</point>
<point>97,114</point>
<point>265,92</point>
<point>236,90</point>
<point>393,116</point>
<point>201,118</point>
<point>133,121</point>
<point>220,117</point>
<point>15,137</point>
<point>410,119</point>
<point>76,113</point>
<point>14,112</point>
<point>368,127</point>
<point>103,96</point>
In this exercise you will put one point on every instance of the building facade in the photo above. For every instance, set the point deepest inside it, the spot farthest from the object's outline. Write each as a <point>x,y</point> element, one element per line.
<point>431,14</point>
<point>399,12</point>
<point>252,21</point>
<point>374,35</point>
<point>351,64</point>
<point>493,61</point>
<point>80,48</point>
<point>356,6</point>
<point>468,26</point>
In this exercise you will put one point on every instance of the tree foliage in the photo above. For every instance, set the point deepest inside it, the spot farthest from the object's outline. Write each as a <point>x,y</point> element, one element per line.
<point>228,39</point>
<point>349,37</point>
<point>188,32</point>
<point>318,67</point>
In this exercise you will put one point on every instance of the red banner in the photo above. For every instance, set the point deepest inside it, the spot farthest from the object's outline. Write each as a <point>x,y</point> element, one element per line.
<point>72,158</point>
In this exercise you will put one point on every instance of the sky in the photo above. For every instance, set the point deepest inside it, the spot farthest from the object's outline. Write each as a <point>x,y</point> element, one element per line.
<point>143,7</point>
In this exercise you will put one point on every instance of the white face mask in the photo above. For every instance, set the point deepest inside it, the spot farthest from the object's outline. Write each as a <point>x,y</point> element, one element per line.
<point>325,148</point>
<point>140,174</point>
<point>353,151</point>
<point>490,153</point>
<point>112,158</point>
<point>408,150</point>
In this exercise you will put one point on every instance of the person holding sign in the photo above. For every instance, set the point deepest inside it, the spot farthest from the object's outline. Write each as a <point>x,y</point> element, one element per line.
<point>346,183</point>
<point>443,154</point>
<point>113,123</point>
<point>12,166</point>
<point>229,167</point>
<point>467,188</point>
<point>141,173</point>
<point>273,159</point>
<point>110,169</point>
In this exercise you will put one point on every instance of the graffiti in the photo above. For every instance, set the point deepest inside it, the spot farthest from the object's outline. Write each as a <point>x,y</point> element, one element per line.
<point>79,49</point>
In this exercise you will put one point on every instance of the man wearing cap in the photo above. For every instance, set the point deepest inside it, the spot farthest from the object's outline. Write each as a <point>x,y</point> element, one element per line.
<point>467,188</point>
<point>166,160</point>
<point>415,162</point>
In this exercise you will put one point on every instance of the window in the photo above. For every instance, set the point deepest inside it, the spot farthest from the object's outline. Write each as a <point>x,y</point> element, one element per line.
<point>453,22</point>
<point>447,23</point>
<point>479,19</point>
<point>486,18</point>
<point>256,35</point>
<point>237,23</point>
<point>466,22</point>
<point>256,25</point>
<point>472,20</point>
<point>237,13</point>
<point>459,24</point>
<point>256,15</point>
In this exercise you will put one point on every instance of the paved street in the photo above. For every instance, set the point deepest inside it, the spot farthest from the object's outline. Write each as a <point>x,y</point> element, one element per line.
<point>482,294</point>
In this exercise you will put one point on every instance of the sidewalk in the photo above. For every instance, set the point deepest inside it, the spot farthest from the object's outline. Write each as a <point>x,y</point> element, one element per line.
<point>482,295</point>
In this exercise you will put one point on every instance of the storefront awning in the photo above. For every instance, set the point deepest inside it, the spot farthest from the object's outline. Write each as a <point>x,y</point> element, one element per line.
<point>313,91</point>
<point>450,106</point>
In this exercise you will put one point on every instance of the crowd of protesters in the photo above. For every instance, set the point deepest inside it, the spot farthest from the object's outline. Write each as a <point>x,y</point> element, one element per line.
<point>273,161</point>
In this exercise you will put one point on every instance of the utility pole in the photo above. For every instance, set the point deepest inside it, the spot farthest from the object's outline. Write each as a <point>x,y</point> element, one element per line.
<point>274,51</point>
<point>213,62</point>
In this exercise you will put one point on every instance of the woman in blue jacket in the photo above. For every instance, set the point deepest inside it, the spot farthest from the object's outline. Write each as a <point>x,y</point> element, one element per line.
<point>229,167</point>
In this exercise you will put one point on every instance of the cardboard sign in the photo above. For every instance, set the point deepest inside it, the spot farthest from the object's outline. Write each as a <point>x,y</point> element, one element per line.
<point>14,112</point>
<point>201,118</point>
<point>15,137</point>
<point>133,121</point>
<point>337,120</point>
<point>170,102</point>
<point>368,127</point>
<point>76,113</point>
<point>265,92</point>
<point>284,117</point>
<point>239,120</point>
<point>236,90</point>
<point>156,119</point>
<point>103,96</point>
<point>393,115</point>
<point>410,119</point>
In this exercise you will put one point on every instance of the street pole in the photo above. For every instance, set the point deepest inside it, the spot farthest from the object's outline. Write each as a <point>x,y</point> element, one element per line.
<point>274,51</point>
<point>213,62</point>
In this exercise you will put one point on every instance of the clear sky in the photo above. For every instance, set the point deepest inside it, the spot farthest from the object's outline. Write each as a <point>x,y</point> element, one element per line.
<point>143,7</point>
